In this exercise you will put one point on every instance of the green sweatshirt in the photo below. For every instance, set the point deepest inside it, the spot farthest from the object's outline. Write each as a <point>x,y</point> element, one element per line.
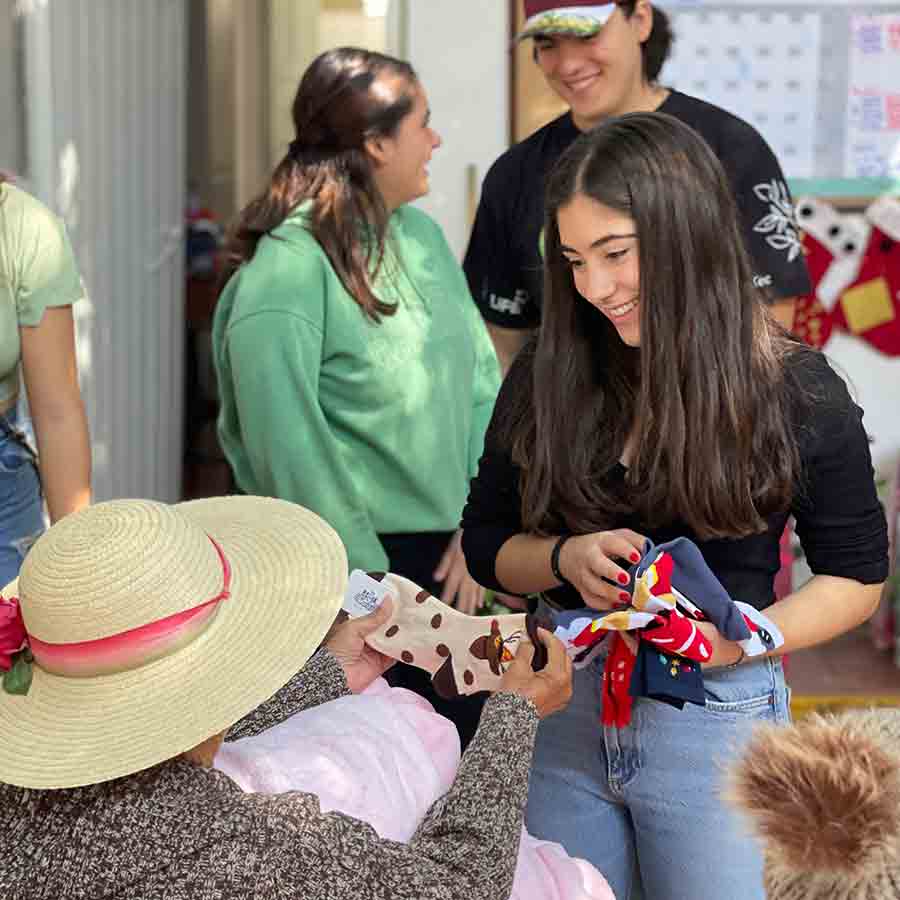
<point>376,427</point>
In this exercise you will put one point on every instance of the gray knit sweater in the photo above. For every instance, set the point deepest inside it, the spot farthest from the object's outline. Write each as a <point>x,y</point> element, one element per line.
<point>182,832</point>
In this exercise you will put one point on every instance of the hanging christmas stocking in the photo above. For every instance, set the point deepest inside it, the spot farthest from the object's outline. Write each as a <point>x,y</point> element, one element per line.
<point>870,306</point>
<point>829,246</point>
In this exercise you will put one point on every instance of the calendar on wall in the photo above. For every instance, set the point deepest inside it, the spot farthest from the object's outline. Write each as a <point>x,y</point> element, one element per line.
<point>821,82</point>
<point>873,113</point>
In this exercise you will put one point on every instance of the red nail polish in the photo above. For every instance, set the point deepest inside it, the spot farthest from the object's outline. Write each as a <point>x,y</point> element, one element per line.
<point>623,578</point>
<point>624,597</point>
<point>635,557</point>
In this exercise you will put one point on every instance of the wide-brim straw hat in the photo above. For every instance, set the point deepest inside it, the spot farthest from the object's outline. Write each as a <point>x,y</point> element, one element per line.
<point>123,565</point>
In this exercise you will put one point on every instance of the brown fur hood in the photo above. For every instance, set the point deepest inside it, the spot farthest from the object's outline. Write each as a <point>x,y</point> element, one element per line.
<point>824,796</point>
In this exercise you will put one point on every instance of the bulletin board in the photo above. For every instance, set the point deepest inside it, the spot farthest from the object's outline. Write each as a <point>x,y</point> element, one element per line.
<point>821,82</point>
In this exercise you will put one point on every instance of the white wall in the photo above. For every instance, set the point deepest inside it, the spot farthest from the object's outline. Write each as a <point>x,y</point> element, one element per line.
<point>460,49</point>
<point>874,381</point>
<point>105,83</point>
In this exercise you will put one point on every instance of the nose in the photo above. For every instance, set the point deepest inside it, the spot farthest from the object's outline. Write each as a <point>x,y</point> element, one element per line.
<point>436,139</point>
<point>569,58</point>
<point>598,286</point>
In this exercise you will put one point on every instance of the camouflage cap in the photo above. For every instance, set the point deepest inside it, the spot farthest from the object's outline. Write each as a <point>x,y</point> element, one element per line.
<point>570,17</point>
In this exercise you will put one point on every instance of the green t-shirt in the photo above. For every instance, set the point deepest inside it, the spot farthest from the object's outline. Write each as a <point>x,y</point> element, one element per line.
<point>37,271</point>
<point>376,427</point>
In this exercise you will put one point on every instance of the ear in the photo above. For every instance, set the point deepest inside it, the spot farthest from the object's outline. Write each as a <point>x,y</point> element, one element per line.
<point>642,19</point>
<point>378,149</point>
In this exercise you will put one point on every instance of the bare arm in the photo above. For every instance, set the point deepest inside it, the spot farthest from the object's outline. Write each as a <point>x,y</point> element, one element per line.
<point>508,342</point>
<point>57,409</point>
<point>824,608</point>
<point>523,564</point>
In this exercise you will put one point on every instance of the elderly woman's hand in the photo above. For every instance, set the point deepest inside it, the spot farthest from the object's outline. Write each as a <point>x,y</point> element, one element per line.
<point>550,689</point>
<point>346,643</point>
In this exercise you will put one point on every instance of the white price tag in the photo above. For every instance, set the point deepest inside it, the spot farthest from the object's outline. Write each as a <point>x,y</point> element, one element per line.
<point>364,594</point>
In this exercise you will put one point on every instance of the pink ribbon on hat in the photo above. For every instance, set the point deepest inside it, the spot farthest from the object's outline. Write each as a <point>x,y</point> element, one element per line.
<point>135,647</point>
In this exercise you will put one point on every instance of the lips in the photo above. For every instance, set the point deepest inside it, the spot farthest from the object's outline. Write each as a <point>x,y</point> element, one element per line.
<point>619,311</point>
<point>580,84</point>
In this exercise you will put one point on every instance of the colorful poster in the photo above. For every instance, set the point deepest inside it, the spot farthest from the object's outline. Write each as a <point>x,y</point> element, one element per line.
<point>873,100</point>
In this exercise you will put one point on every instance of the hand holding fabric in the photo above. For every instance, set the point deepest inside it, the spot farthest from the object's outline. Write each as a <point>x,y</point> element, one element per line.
<point>724,652</point>
<point>586,560</point>
<point>550,689</point>
<point>346,642</point>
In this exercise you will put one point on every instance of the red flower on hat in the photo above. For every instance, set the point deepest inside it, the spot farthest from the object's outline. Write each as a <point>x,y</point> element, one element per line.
<point>12,631</point>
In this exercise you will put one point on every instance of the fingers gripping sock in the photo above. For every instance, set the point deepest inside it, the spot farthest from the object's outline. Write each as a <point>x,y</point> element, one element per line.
<point>464,654</point>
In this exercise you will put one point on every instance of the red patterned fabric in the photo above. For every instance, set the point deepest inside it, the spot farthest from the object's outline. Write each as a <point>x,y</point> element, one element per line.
<point>676,633</point>
<point>870,306</point>
<point>617,699</point>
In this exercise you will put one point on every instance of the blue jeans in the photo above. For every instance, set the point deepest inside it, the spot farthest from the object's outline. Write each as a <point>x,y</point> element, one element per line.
<point>647,796</point>
<point>21,505</point>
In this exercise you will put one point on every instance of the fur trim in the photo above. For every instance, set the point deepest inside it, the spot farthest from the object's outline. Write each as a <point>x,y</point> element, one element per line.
<point>823,795</point>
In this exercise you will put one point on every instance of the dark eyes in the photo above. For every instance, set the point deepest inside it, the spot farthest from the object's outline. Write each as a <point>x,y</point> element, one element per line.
<point>612,256</point>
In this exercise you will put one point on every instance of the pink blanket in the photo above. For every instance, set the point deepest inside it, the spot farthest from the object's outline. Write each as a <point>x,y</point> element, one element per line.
<point>384,757</point>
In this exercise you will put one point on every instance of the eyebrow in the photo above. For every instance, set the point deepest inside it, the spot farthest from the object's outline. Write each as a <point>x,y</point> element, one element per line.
<point>599,242</point>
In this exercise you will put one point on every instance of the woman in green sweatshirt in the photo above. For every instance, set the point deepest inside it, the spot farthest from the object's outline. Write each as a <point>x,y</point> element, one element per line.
<point>356,375</point>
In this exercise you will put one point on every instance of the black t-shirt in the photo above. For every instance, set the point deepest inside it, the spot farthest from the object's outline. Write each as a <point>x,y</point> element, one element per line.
<point>840,522</point>
<point>503,262</point>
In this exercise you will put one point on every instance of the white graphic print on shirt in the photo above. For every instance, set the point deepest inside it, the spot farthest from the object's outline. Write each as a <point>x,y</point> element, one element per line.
<point>778,222</point>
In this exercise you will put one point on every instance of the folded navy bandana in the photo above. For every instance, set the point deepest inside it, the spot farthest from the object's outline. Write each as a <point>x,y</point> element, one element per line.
<point>668,678</point>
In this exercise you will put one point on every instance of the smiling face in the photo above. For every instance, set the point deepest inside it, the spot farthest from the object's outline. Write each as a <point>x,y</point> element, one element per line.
<point>601,75</point>
<point>600,246</point>
<point>400,162</point>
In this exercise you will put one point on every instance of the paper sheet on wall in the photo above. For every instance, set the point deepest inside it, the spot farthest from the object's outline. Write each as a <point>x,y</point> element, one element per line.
<point>873,107</point>
<point>764,67</point>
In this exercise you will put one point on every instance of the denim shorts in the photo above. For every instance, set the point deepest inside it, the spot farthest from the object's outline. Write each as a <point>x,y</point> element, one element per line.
<point>647,797</point>
<point>21,505</point>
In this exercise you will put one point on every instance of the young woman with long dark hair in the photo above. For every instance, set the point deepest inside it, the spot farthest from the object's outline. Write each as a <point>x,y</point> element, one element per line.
<point>356,376</point>
<point>662,400</point>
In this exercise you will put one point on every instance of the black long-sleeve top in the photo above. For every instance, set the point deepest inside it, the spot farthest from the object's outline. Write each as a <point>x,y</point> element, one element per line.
<point>839,520</point>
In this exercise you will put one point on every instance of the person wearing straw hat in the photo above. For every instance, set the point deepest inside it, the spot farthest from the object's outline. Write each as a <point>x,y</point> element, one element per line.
<point>136,636</point>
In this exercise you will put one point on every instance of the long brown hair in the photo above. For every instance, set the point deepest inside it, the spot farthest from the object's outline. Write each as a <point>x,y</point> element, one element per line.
<point>335,111</point>
<point>706,389</point>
